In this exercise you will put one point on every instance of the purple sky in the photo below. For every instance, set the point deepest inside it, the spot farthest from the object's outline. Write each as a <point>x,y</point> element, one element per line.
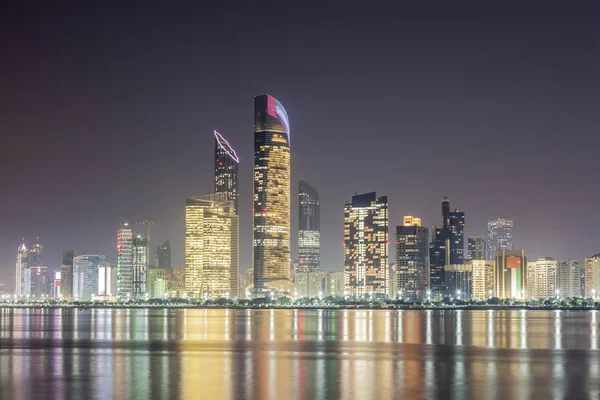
<point>107,112</point>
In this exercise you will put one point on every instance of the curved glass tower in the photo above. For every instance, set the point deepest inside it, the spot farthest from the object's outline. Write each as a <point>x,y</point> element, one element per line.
<point>309,231</point>
<point>226,170</point>
<point>271,241</point>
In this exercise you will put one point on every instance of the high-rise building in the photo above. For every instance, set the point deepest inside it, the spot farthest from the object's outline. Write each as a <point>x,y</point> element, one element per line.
<point>226,170</point>
<point>66,275</point>
<point>500,236</point>
<point>21,285</point>
<point>412,259</point>
<point>125,261</point>
<point>592,276</point>
<point>335,284</point>
<point>542,278</point>
<point>140,266</point>
<point>510,277</point>
<point>271,216</point>
<point>446,247</point>
<point>246,280</point>
<point>569,278</point>
<point>105,277</point>
<point>482,278</point>
<point>366,245</point>
<point>56,293</point>
<point>459,279</point>
<point>86,268</point>
<point>309,230</point>
<point>157,283</point>
<point>476,248</point>
<point>42,281</point>
<point>309,283</point>
<point>163,253</point>
<point>211,247</point>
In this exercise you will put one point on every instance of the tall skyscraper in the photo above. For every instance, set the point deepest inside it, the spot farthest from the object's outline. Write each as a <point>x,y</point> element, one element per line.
<point>510,276</point>
<point>163,254</point>
<point>500,236</point>
<point>476,248</point>
<point>483,278</point>
<point>271,241</point>
<point>447,246</point>
<point>569,278</point>
<point>592,276</point>
<point>125,261</point>
<point>211,247</point>
<point>226,170</point>
<point>366,245</point>
<point>412,259</point>
<point>309,230</point>
<point>86,268</point>
<point>21,286</point>
<point>140,266</point>
<point>542,278</point>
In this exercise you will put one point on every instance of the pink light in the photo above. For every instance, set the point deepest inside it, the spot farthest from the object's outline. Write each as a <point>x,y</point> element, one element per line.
<point>226,146</point>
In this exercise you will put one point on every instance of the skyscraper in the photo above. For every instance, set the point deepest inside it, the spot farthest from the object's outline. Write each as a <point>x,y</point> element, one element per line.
<point>271,216</point>
<point>542,278</point>
<point>140,266</point>
<point>592,276</point>
<point>309,231</point>
<point>211,247</point>
<point>412,259</point>
<point>86,268</point>
<point>483,278</point>
<point>500,236</point>
<point>125,260</point>
<point>569,278</point>
<point>66,275</point>
<point>163,254</point>
<point>510,276</point>
<point>476,248</point>
<point>366,245</point>
<point>226,170</point>
<point>447,245</point>
<point>20,271</point>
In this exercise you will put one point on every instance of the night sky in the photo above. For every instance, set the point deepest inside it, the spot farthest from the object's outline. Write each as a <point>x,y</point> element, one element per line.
<point>107,111</point>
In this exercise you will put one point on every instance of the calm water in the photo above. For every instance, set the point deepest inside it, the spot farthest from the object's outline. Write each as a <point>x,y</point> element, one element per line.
<point>297,354</point>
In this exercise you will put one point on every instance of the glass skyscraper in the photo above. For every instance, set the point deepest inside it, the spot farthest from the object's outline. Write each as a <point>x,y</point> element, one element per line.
<point>309,231</point>
<point>476,248</point>
<point>125,260</point>
<point>412,259</point>
<point>226,169</point>
<point>86,268</point>
<point>271,212</point>
<point>500,236</point>
<point>366,246</point>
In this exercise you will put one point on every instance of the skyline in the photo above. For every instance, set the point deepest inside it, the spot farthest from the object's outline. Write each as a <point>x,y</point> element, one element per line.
<point>485,103</point>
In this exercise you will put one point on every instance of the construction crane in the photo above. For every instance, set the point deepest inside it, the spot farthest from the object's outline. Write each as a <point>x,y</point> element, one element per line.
<point>147,223</point>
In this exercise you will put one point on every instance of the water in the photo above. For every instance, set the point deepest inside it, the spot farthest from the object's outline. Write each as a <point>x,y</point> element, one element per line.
<point>298,354</point>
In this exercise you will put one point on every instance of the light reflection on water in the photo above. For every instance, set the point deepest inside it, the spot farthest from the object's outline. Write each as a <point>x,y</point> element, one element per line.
<point>298,354</point>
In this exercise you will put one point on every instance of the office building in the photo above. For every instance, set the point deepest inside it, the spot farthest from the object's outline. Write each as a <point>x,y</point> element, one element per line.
<point>309,231</point>
<point>42,281</point>
<point>482,278</point>
<point>86,268</point>
<point>459,279</point>
<point>125,261</point>
<point>542,279</point>
<point>21,282</point>
<point>246,280</point>
<point>56,293</point>
<point>157,283</point>
<point>476,248</point>
<point>226,170</point>
<point>366,246</point>
<point>592,276</point>
<point>335,284</point>
<point>163,255</point>
<point>500,236</point>
<point>510,277</point>
<point>105,280</point>
<point>569,278</point>
<point>211,247</point>
<point>271,210</point>
<point>412,259</point>
<point>309,282</point>
<point>140,266</point>
<point>66,275</point>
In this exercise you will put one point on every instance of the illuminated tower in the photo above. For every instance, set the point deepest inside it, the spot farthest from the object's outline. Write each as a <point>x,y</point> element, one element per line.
<point>125,260</point>
<point>271,241</point>
<point>309,231</point>
<point>211,247</point>
<point>366,245</point>
<point>20,272</point>
<point>412,259</point>
<point>226,170</point>
<point>140,265</point>
<point>500,236</point>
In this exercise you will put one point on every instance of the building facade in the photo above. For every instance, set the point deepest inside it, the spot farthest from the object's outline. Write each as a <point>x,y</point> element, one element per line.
<point>542,278</point>
<point>211,247</point>
<point>510,276</point>
<point>86,268</point>
<point>310,284</point>
<point>412,259</point>
<point>21,271</point>
<point>157,283</point>
<point>592,276</point>
<point>459,279</point>
<point>334,285</point>
<point>500,236</point>
<point>271,211</point>
<point>569,278</point>
<point>246,280</point>
<point>163,255</point>
<point>476,248</point>
<point>482,278</point>
<point>66,275</point>
<point>226,170</point>
<point>366,246</point>
<point>309,230</point>
<point>125,261</point>
<point>140,266</point>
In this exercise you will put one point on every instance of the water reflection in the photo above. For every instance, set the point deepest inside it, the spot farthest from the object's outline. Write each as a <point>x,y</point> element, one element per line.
<point>298,354</point>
